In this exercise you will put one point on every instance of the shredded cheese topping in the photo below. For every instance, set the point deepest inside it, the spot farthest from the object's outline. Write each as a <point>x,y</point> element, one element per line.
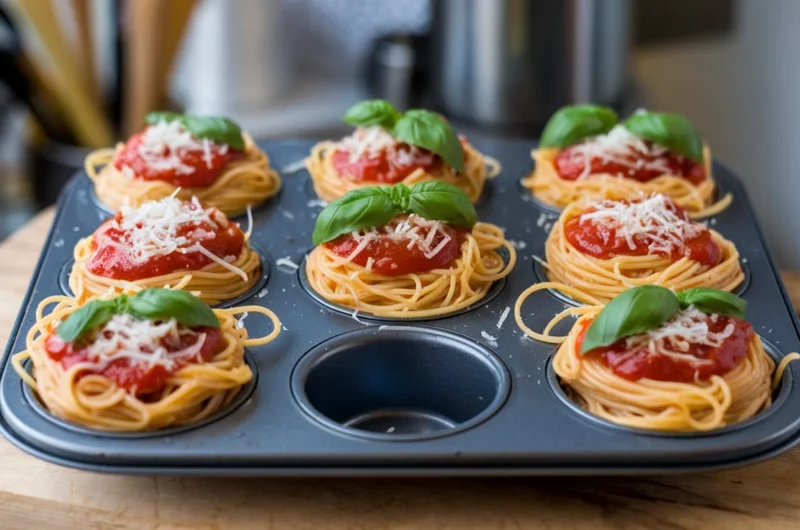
<point>653,218</point>
<point>152,230</point>
<point>417,231</point>
<point>371,142</point>
<point>142,342</point>
<point>673,339</point>
<point>621,147</point>
<point>164,144</point>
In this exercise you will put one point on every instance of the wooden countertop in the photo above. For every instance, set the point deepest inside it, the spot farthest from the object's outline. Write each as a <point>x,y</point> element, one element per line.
<point>35,494</point>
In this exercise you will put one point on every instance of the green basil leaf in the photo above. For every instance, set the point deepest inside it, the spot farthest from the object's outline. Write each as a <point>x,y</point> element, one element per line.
<point>439,201</point>
<point>163,304</point>
<point>220,130</point>
<point>634,311</point>
<point>400,194</point>
<point>573,123</point>
<point>356,209</point>
<point>672,131</point>
<point>217,129</point>
<point>91,315</point>
<point>372,112</point>
<point>429,131</point>
<point>154,118</point>
<point>713,301</point>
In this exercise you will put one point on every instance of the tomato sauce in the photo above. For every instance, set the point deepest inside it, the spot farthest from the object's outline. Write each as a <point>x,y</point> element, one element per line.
<point>640,363</point>
<point>206,169</point>
<point>571,166</point>
<point>601,241</point>
<point>112,258</point>
<point>137,378</point>
<point>392,257</point>
<point>390,166</point>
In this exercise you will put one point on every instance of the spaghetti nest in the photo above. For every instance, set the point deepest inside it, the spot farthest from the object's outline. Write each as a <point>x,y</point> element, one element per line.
<point>431,294</point>
<point>603,279</point>
<point>213,283</point>
<point>547,186</point>
<point>661,405</point>
<point>330,184</point>
<point>246,182</point>
<point>192,393</point>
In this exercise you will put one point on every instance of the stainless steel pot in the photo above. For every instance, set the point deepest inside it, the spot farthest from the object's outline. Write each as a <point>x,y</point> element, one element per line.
<point>512,63</point>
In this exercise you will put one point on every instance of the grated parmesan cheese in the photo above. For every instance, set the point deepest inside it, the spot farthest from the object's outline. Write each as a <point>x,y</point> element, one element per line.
<point>414,229</point>
<point>287,263</point>
<point>503,317</point>
<point>152,230</point>
<point>621,147</point>
<point>141,342</point>
<point>165,143</point>
<point>653,219</point>
<point>488,337</point>
<point>371,142</point>
<point>674,337</point>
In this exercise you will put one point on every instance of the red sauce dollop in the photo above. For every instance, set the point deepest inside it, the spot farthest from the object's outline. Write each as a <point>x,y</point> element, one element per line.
<point>136,378</point>
<point>204,174</point>
<point>111,257</point>
<point>643,364</point>
<point>392,257</point>
<point>387,167</point>
<point>600,241</point>
<point>571,167</point>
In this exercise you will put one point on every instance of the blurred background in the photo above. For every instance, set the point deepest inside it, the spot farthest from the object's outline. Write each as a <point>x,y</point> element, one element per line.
<point>79,74</point>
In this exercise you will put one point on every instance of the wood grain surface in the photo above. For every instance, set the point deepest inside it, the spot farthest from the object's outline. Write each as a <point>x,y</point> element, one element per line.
<point>35,494</point>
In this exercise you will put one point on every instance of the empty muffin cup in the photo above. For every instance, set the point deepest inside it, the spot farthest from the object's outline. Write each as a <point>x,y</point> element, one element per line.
<point>398,383</point>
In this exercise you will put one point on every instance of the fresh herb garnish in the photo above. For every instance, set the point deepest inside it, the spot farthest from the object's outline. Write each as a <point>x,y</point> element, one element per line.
<point>151,304</point>
<point>417,127</point>
<point>376,206</point>
<point>217,129</point>
<point>640,309</point>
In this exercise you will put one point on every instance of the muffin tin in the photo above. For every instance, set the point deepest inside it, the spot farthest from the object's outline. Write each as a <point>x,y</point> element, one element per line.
<point>466,394</point>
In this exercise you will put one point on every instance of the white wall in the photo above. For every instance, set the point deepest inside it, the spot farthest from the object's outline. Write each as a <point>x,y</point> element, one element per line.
<point>744,95</point>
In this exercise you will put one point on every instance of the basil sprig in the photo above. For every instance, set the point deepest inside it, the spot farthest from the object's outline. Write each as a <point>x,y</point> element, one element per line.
<point>713,301</point>
<point>217,129</point>
<point>417,127</point>
<point>376,206</point>
<point>152,304</point>
<point>640,309</point>
<point>372,112</point>
<point>670,130</point>
<point>573,123</point>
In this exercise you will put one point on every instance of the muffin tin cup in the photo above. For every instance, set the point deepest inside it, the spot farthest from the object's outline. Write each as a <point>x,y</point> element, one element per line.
<point>244,394</point>
<point>779,398</point>
<point>302,278</point>
<point>465,393</point>
<point>255,291</point>
<point>398,383</point>
<point>541,276</point>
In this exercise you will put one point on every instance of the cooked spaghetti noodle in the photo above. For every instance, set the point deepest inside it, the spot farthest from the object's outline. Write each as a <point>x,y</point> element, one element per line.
<point>166,229</point>
<point>414,295</point>
<point>330,184</point>
<point>213,283</point>
<point>244,182</point>
<point>602,278</point>
<point>547,186</point>
<point>193,392</point>
<point>647,403</point>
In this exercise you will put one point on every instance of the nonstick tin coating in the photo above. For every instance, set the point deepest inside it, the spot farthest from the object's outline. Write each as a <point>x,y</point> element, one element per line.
<point>531,433</point>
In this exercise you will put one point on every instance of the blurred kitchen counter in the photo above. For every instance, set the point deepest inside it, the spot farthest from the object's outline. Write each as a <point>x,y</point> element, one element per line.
<point>36,494</point>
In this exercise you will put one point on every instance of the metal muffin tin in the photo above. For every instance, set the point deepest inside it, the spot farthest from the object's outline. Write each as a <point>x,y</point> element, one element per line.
<point>458,395</point>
